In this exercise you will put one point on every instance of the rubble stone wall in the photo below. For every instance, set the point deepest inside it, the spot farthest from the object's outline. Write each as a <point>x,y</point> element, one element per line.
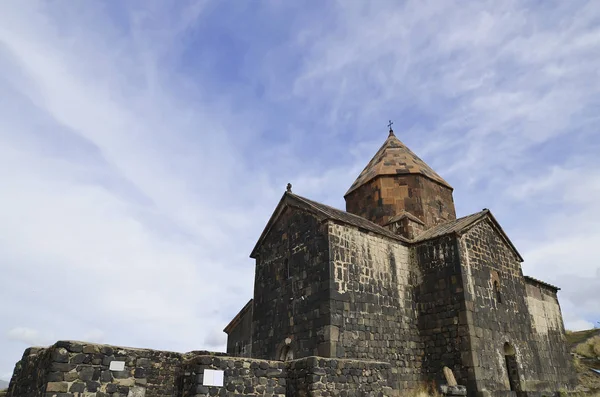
<point>71,369</point>
<point>242,376</point>
<point>29,377</point>
<point>320,377</point>
<point>75,369</point>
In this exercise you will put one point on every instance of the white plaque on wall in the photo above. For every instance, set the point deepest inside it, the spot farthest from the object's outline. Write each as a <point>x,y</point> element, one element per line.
<point>117,365</point>
<point>212,377</point>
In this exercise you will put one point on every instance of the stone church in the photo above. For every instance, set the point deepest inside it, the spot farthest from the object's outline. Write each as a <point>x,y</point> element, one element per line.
<point>393,293</point>
<point>398,278</point>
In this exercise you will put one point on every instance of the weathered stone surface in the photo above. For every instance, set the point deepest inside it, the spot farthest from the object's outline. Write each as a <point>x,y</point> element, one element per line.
<point>450,380</point>
<point>383,197</point>
<point>295,251</point>
<point>512,348</point>
<point>303,377</point>
<point>57,386</point>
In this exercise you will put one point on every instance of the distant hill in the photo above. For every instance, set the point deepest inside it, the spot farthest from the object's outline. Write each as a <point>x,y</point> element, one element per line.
<point>3,384</point>
<point>585,347</point>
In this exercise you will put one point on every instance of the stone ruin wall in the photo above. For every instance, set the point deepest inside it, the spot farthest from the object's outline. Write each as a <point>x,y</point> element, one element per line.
<point>77,369</point>
<point>72,369</point>
<point>318,376</point>
<point>30,375</point>
<point>373,312</point>
<point>543,363</point>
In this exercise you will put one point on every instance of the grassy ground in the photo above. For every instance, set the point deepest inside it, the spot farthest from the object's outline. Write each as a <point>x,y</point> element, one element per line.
<point>586,348</point>
<point>576,337</point>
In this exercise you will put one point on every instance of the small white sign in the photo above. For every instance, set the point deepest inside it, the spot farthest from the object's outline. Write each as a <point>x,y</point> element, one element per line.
<point>212,377</point>
<point>117,365</point>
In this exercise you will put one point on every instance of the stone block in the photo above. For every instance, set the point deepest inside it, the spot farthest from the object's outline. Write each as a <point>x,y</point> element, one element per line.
<point>91,349</point>
<point>59,387</point>
<point>60,355</point>
<point>77,387</point>
<point>125,382</point>
<point>137,392</point>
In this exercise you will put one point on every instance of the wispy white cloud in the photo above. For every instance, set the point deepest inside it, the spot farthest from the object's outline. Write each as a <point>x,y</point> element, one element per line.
<point>29,336</point>
<point>111,220</point>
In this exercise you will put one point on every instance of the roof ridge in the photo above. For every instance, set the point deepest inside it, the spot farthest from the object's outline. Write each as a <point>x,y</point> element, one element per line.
<point>451,226</point>
<point>377,228</point>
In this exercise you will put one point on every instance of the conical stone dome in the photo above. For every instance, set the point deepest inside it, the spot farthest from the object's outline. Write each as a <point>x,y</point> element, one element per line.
<point>394,158</point>
<point>396,181</point>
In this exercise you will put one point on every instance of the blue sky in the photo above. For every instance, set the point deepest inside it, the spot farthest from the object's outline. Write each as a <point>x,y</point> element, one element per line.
<point>143,146</point>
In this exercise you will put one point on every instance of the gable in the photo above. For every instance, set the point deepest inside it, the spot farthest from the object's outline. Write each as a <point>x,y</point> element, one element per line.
<point>489,224</point>
<point>462,225</point>
<point>284,205</point>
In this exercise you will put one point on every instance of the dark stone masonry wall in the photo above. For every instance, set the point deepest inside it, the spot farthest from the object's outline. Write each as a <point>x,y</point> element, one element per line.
<point>70,369</point>
<point>242,376</point>
<point>239,337</point>
<point>291,289</point>
<point>30,374</point>
<point>309,376</point>
<point>500,323</point>
<point>374,315</point>
<point>75,369</point>
<point>317,376</point>
<point>440,300</point>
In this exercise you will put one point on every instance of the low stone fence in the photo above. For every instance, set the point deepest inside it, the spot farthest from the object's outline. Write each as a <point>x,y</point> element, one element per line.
<point>318,376</point>
<point>29,377</point>
<point>70,369</point>
<point>241,376</point>
<point>77,369</point>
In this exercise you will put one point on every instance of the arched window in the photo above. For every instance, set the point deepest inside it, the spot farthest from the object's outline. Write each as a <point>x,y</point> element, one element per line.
<point>512,369</point>
<point>497,291</point>
<point>496,286</point>
<point>286,263</point>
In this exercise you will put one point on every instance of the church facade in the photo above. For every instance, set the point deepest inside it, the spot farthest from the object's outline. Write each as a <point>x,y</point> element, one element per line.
<point>378,300</point>
<point>397,278</point>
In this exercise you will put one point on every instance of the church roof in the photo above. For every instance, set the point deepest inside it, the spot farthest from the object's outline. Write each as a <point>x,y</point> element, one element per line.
<point>540,282</point>
<point>403,214</point>
<point>394,158</point>
<point>461,225</point>
<point>348,218</point>
<point>326,212</point>
<point>238,317</point>
<point>455,226</point>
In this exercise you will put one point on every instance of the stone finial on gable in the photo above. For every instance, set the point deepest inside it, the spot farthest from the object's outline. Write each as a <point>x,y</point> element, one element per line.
<point>288,188</point>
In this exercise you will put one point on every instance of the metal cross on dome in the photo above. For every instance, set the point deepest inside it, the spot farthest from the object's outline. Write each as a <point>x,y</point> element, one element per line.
<point>390,124</point>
